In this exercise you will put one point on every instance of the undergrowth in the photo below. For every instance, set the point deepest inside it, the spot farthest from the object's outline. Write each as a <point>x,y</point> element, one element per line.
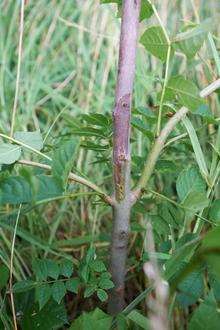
<point>55,232</point>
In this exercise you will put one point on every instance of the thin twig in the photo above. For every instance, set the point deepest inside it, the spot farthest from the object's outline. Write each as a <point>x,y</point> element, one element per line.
<point>157,148</point>
<point>83,28</point>
<point>25,146</point>
<point>210,88</point>
<point>61,86</point>
<point>73,177</point>
<point>160,21</point>
<point>53,123</point>
<point>176,138</point>
<point>21,28</point>
<point>161,140</point>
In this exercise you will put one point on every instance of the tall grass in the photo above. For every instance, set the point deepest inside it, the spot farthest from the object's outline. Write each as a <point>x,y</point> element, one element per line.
<point>68,67</point>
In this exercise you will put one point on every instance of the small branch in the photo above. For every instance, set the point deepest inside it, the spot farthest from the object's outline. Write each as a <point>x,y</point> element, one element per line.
<point>73,177</point>
<point>85,29</point>
<point>156,150</point>
<point>210,88</point>
<point>176,138</point>
<point>21,28</point>
<point>59,88</point>
<point>161,140</point>
<point>214,52</point>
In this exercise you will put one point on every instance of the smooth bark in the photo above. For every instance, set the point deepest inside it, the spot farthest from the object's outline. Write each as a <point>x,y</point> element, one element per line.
<point>121,151</point>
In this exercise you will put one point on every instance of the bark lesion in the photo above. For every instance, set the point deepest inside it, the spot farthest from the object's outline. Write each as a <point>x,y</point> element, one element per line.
<point>123,235</point>
<point>125,102</point>
<point>121,239</point>
<point>120,192</point>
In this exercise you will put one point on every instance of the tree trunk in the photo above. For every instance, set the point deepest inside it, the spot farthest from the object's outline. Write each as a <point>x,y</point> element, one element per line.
<point>121,151</point>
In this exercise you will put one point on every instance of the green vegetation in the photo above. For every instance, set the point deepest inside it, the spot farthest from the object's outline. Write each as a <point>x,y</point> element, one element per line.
<point>58,71</point>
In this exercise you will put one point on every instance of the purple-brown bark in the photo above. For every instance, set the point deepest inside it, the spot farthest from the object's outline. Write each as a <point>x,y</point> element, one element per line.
<point>121,150</point>
<point>122,111</point>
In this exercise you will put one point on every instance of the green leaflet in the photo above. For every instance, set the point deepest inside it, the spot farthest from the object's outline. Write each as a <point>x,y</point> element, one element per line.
<point>206,316</point>
<point>23,286</point>
<point>192,46</point>
<point>196,148</point>
<point>53,269</point>
<point>195,30</point>
<point>46,187</point>
<point>102,295</point>
<point>15,190</point>
<point>9,153</point>
<point>146,112</point>
<point>97,266</point>
<point>90,289</point>
<point>97,119</point>
<point>191,189</point>
<point>146,10</point>
<point>155,41</point>
<point>119,2</point>
<point>106,284</point>
<point>44,268</point>
<point>185,91</point>
<point>32,139</point>
<point>190,40</point>
<point>43,294</point>
<point>89,132</point>
<point>190,180</point>
<point>139,319</point>
<point>195,201</point>
<point>214,212</point>
<point>52,315</point>
<point>95,320</point>
<point>210,250</point>
<point>58,291</point>
<point>204,111</point>
<point>142,127</point>
<point>191,288</point>
<point>66,268</point>
<point>40,269</point>
<point>73,285</point>
<point>4,275</point>
<point>214,282</point>
<point>62,162</point>
<point>179,259</point>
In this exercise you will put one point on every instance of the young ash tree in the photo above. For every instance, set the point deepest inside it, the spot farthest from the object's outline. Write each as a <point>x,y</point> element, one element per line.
<point>124,197</point>
<point>155,39</point>
<point>179,95</point>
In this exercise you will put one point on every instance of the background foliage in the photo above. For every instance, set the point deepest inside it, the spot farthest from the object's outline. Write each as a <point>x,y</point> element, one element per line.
<point>66,97</point>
